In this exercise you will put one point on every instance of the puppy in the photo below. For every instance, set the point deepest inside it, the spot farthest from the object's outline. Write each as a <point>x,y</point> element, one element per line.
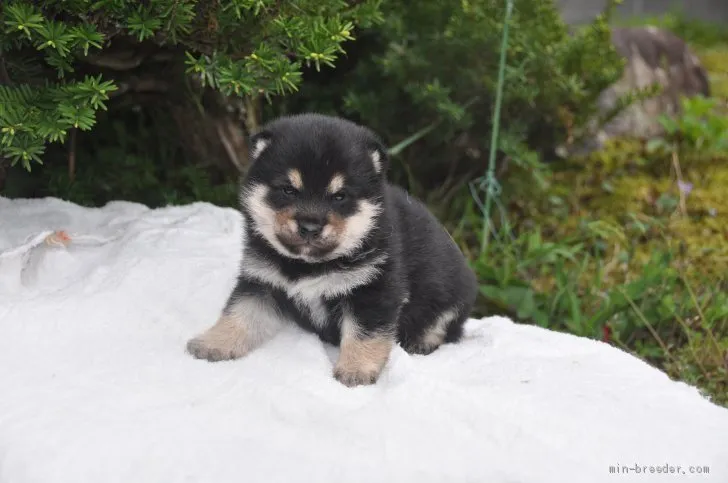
<point>333,247</point>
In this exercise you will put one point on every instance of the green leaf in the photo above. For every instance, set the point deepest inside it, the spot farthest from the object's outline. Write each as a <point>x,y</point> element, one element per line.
<point>22,17</point>
<point>142,24</point>
<point>86,36</point>
<point>54,35</point>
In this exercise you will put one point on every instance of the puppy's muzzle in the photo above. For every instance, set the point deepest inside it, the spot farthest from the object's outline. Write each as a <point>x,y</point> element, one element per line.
<point>310,228</point>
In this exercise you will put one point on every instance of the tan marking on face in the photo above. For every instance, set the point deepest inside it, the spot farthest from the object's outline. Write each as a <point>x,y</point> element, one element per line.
<point>336,183</point>
<point>355,227</point>
<point>361,360</point>
<point>334,229</point>
<point>284,222</point>
<point>294,176</point>
<point>337,224</point>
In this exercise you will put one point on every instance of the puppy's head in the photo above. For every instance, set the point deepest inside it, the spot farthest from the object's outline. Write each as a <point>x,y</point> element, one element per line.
<point>314,189</point>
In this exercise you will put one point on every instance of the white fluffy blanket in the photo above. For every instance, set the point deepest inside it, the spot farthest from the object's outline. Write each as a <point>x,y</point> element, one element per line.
<point>96,387</point>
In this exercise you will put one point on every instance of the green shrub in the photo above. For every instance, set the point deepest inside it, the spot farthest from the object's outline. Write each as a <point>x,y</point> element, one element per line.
<point>649,306</point>
<point>240,47</point>
<point>133,158</point>
<point>627,245</point>
<point>701,125</point>
<point>433,70</point>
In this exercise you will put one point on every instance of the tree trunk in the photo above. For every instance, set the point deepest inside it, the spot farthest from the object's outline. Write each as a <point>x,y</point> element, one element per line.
<point>212,127</point>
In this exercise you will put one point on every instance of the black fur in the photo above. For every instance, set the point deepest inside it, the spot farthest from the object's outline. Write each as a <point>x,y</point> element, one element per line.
<point>418,271</point>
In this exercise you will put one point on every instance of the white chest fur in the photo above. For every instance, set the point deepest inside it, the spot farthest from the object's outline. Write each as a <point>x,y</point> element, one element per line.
<point>310,292</point>
<point>315,308</point>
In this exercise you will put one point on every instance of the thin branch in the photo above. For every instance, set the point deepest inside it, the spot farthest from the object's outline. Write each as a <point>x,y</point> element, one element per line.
<point>678,174</point>
<point>72,155</point>
<point>4,75</point>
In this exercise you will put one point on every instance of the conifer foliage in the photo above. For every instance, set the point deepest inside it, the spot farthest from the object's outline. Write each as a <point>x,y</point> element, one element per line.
<point>238,47</point>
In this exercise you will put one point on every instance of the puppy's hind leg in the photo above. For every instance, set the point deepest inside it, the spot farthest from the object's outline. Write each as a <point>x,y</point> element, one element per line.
<point>249,318</point>
<point>447,327</point>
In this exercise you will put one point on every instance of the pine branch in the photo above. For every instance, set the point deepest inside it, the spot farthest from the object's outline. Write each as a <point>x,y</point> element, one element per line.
<point>238,47</point>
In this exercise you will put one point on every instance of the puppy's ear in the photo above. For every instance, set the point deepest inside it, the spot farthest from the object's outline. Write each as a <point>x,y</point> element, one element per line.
<point>379,158</point>
<point>259,142</point>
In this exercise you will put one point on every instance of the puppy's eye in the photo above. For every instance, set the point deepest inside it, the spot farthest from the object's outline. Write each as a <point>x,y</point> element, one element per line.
<point>340,196</point>
<point>288,190</point>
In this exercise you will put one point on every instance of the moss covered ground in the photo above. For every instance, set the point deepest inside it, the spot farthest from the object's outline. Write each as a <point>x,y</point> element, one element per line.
<point>630,244</point>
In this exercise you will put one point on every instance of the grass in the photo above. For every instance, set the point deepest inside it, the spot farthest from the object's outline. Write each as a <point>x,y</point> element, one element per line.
<point>629,245</point>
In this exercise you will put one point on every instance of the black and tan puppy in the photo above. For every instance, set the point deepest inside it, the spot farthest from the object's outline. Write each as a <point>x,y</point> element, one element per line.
<point>333,247</point>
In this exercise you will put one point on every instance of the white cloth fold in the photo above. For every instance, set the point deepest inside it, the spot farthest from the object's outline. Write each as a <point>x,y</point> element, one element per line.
<point>95,385</point>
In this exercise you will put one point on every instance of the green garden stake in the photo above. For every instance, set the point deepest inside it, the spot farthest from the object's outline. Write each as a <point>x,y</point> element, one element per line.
<point>491,183</point>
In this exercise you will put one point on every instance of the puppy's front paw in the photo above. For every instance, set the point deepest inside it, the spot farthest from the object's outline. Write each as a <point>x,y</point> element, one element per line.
<point>221,342</point>
<point>352,377</point>
<point>211,350</point>
<point>362,360</point>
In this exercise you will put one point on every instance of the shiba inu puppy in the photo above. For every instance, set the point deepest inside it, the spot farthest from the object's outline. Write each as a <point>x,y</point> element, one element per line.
<point>332,246</point>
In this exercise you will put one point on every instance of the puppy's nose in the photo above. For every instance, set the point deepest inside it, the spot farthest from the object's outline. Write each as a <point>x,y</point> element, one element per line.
<point>310,228</point>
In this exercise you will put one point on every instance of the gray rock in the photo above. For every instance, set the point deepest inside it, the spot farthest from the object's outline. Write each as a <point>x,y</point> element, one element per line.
<point>583,11</point>
<point>653,56</point>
